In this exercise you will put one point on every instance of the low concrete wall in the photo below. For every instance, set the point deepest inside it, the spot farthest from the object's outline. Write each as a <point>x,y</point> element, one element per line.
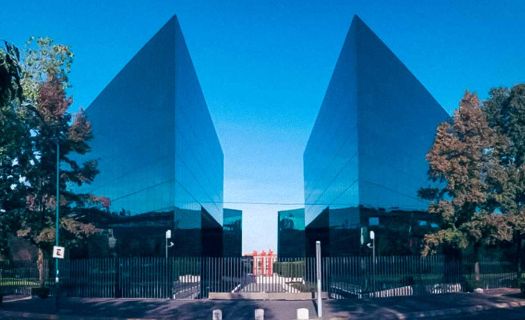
<point>260,296</point>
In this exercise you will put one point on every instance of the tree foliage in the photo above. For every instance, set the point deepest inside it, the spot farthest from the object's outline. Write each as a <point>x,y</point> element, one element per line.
<point>505,111</point>
<point>15,142</point>
<point>35,117</point>
<point>468,161</point>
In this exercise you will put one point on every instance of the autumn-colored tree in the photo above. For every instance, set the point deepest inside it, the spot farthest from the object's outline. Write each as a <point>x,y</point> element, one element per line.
<point>466,165</point>
<point>46,121</point>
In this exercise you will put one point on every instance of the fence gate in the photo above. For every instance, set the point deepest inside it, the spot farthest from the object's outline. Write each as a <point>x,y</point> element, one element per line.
<point>256,278</point>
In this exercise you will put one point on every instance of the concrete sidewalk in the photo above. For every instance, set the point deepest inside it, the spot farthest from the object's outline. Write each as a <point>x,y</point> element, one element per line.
<point>430,306</point>
<point>386,308</point>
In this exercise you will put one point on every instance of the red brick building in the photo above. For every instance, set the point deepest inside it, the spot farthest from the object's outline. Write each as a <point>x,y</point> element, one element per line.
<point>263,262</point>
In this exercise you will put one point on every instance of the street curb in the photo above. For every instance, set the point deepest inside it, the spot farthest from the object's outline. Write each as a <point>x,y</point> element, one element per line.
<point>458,311</point>
<point>16,299</point>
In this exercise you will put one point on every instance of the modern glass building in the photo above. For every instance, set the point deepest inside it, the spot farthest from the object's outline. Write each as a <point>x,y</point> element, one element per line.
<point>158,153</point>
<point>232,233</point>
<point>365,159</point>
<point>290,233</point>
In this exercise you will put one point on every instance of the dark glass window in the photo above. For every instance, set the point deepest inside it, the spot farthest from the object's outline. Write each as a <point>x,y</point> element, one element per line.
<point>232,233</point>
<point>373,221</point>
<point>290,234</point>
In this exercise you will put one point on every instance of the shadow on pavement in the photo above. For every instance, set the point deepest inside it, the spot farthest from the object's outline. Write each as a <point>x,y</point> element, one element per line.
<point>393,308</point>
<point>142,308</point>
<point>381,308</point>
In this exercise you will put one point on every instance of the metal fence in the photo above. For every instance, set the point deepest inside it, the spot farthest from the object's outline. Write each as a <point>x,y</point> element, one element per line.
<point>20,276</point>
<point>196,277</point>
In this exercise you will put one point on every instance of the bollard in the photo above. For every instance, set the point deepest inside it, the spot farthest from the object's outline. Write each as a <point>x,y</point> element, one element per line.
<point>302,314</point>
<point>259,314</point>
<point>319,277</point>
<point>216,314</point>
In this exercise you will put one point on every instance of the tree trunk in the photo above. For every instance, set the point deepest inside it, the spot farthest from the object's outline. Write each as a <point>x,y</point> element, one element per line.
<point>40,264</point>
<point>518,255</point>
<point>476,263</point>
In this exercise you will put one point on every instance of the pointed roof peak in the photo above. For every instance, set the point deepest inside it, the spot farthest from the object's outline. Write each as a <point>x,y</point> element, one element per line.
<point>357,18</point>
<point>173,18</point>
<point>357,21</point>
<point>172,21</point>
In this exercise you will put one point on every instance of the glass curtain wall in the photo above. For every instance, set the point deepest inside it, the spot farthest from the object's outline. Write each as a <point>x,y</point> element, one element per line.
<point>365,158</point>
<point>158,153</point>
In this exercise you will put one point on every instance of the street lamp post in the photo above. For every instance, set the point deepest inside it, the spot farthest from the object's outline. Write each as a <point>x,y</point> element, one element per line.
<point>169,244</point>
<point>169,283</point>
<point>373,238</point>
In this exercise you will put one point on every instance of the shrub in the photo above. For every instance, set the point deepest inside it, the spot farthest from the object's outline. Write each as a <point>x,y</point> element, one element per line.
<point>292,269</point>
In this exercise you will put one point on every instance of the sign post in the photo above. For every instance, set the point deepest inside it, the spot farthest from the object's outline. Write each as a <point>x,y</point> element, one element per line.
<point>57,213</point>
<point>58,253</point>
<point>319,274</point>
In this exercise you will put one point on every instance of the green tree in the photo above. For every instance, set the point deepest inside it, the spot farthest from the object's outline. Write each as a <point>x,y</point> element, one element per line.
<point>465,163</point>
<point>15,144</point>
<point>46,120</point>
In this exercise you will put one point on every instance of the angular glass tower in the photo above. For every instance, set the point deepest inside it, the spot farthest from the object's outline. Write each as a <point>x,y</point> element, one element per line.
<point>232,233</point>
<point>160,160</point>
<point>365,159</point>
<point>290,233</point>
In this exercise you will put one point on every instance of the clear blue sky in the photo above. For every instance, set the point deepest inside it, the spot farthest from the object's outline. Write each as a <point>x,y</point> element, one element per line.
<point>264,67</point>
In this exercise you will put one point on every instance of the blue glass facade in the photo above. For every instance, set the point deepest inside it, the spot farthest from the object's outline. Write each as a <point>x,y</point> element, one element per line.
<point>157,148</point>
<point>232,233</point>
<point>366,154</point>
<point>290,233</point>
